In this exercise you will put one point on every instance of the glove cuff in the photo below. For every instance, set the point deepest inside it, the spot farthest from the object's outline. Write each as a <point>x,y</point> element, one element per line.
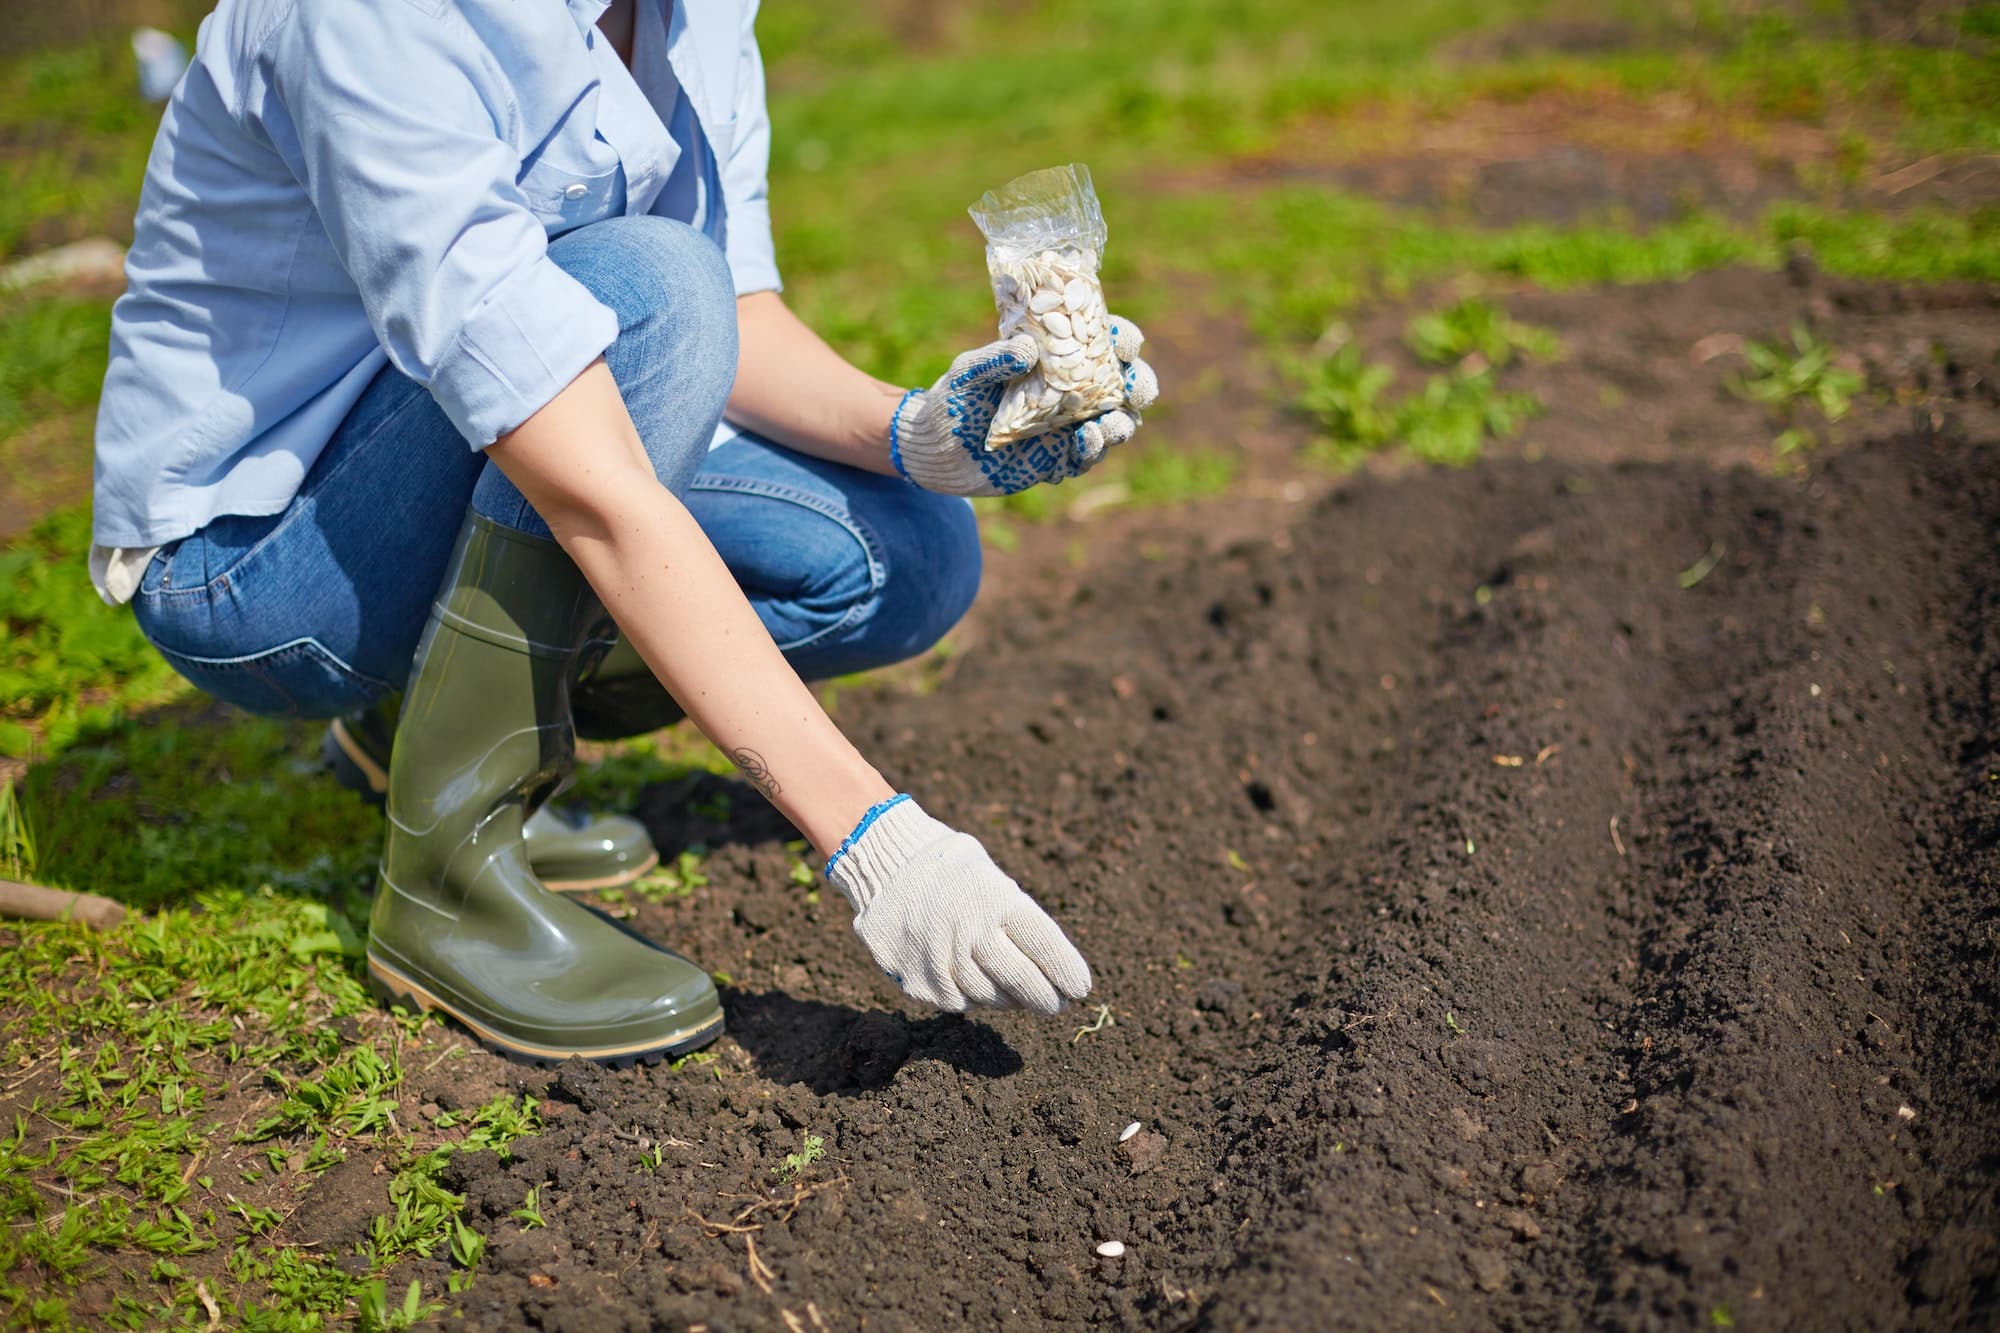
<point>885,840</point>
<point>901,427</point>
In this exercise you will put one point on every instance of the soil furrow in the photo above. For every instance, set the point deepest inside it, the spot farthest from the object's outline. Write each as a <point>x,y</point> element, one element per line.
<point>1769,1115</point>
<point>1413,1029</point>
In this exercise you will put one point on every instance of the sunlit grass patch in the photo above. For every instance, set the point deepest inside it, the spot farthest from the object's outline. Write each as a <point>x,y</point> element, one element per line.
<point>1292,258</point>
<point>52,351</point>
<point>74,135</point>
<point>69,665</point>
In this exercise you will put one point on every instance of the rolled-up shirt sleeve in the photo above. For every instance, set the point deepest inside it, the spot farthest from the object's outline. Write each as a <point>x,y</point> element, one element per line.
<point>400,122</point>
<point>753,260</point>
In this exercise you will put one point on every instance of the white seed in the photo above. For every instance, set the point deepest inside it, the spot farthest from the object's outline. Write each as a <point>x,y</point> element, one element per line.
<point>1057,323</point>
<point>1130,1130</point>
<point>1112,1249</point>
<point>1061,347</point>
<point>1076,294</point>
<point>1044,301</point>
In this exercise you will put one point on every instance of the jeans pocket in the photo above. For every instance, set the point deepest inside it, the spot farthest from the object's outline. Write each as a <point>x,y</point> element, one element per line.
<point>296,679</point>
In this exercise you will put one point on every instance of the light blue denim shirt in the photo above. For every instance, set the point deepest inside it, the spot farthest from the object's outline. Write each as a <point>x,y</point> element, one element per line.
<point>340,183</point>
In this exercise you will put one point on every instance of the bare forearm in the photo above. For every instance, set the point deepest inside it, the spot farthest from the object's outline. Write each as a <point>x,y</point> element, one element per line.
<point>793,388</point>
<point>579,461</point>
<point>664,584</point>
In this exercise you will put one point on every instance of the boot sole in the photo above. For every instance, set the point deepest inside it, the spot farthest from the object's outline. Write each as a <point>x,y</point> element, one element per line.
<point>399,989</point>
<point>356,770</point>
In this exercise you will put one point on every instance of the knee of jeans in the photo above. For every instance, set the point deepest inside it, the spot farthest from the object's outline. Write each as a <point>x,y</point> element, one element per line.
<point>932,566</point>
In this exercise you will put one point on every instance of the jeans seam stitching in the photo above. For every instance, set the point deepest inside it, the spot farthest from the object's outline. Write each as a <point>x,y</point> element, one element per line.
<point>247,661</point>
<point>845,519</point>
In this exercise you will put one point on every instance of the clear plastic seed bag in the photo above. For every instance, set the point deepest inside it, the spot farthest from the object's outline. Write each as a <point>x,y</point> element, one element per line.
<point>1044,239</point>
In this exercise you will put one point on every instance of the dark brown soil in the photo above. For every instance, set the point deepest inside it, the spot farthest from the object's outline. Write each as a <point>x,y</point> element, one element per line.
<point>1593,951</point>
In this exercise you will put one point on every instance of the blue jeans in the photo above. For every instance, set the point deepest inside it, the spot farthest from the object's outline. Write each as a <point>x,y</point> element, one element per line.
<point>316,611</point>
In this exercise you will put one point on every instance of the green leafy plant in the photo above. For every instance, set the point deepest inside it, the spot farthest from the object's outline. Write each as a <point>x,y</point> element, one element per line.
<point>529,1214</point>
<point>1473,327</point>
<point>374,1314</point>
<point>697,1059</point>
<point>1787,379</point>
<point>1343,394</point>
<point>810,1151</point>
<point>1447,422</point>
<point>1454,416</point>
<point>678,880</point>
<point>468,1247</point>
<point>497,1124</point>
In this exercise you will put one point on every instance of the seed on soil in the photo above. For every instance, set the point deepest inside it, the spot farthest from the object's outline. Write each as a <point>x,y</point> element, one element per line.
<point>1112,1249</point>
<point>1135,1127</point>
<point>1144,1151</point>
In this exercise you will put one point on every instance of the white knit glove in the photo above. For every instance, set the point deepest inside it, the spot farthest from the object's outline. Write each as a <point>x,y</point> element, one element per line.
<point>945,923</point>
<point>937,437</point>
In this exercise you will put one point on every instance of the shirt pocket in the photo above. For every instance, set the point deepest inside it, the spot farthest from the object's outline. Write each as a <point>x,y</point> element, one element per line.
<point>566,197</point>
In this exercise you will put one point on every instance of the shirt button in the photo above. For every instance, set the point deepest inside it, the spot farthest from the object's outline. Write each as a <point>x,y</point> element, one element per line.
<point>576,191</point>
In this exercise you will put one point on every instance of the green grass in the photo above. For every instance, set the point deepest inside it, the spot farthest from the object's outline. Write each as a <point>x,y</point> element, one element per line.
<point>69,665</point>
<point>73,142</point>
<point>1140,474</point>
<point>1296,257</point>
<point>871,177</point>
<point>138,1031</point>
<point>56,349</point>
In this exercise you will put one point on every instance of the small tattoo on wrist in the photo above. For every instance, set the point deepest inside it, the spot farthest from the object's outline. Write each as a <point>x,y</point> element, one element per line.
<point>756,770</point>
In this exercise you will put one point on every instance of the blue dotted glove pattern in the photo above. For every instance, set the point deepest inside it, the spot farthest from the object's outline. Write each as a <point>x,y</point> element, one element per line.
<point>972,396</point>
<point>960,408</point>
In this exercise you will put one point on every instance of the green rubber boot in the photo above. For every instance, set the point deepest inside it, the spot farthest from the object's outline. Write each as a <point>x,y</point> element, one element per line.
<point>571,849</point>
<point>620,696</point>
<point>460,923</point>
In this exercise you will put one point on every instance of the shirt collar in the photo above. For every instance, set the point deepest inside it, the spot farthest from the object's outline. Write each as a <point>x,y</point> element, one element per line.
<point>586,13</point>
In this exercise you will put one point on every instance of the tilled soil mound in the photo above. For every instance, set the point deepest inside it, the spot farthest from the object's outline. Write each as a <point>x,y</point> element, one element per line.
<point>1534,897</point>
